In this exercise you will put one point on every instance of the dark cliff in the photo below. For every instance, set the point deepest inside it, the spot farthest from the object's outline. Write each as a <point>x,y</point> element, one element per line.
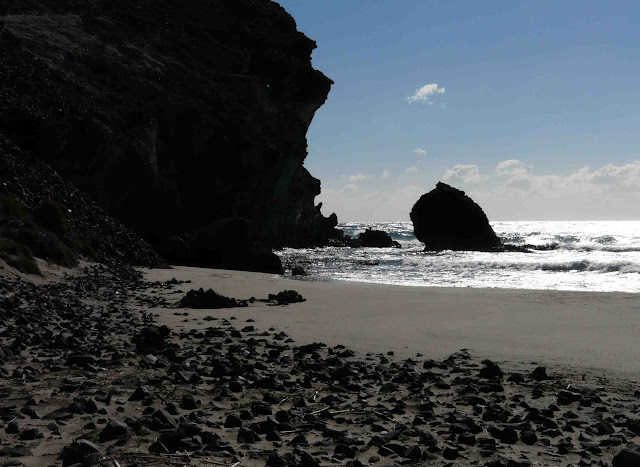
<point>173,115</point>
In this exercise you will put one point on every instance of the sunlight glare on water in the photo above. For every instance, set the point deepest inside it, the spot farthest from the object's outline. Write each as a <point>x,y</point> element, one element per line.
<point>590,256</point>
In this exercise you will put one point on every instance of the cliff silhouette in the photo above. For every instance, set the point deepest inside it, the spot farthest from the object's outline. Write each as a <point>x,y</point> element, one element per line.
<point>178,118</point>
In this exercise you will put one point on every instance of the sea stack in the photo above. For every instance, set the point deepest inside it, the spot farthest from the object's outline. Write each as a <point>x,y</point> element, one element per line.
<point>447,219</point>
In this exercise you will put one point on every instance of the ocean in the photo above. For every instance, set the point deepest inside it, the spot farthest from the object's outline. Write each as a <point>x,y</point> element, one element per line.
<point>599,256</point>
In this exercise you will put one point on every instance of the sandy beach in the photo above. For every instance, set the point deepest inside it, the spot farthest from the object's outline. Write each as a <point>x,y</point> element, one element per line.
<point>572,330</point>
<point>117,373</point>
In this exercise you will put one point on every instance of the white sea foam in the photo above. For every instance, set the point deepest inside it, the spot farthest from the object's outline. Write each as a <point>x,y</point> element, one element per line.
<point>595,256</point>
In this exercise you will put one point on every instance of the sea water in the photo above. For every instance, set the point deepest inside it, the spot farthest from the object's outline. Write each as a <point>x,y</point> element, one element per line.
<point>602,256</point>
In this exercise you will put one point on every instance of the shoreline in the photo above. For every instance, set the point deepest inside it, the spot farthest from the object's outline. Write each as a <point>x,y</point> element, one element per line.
<point>570,329</point>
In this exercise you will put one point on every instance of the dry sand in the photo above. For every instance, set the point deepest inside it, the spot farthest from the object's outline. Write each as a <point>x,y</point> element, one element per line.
<point>579,331</point>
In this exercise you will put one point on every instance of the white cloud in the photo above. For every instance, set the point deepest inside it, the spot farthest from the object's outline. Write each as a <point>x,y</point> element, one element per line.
<point>385,174</point>
<point>511,167</point>
<point>413,168</point>
<point>607,192</point>
<point>608,178</point>
<point>610,192</point>
<point>425,92</point>
<point>627,176</point>
<point>463,173</point>
<point>357,177</point>
<point>420,152</point>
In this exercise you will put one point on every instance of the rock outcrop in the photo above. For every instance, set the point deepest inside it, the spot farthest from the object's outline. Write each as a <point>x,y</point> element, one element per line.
<point>376,239</point>
<point>171,115</point>
<point>447,219</point>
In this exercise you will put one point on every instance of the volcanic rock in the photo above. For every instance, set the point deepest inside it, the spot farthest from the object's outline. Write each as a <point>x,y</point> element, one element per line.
<point>447,219</point>
<point>208,300</point>
<point>286,297</point>
<point>114,429</point>
<point>628,457</point>
<point>245,435</point>
<point>81,451</point>
<point>376,239</point>
<point>151,339</point>
<point>201,112</point>
<point>16,451</point>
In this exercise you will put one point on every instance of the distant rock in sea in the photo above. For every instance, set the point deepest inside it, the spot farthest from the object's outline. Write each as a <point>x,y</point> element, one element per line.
<point>376,239</point>
<point>447,219</point>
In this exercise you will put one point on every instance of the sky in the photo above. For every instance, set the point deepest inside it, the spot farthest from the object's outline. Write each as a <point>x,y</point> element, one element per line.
<point>531,107</point>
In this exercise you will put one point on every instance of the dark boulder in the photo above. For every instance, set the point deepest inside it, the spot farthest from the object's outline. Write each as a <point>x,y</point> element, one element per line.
<point>447,219</point>
<point>628,457</point>
<point>81,451</point>
<point>298,271</point>
<point>151,339</point>
<point>286,297</point>
<point>376,239</point>
<point>208,300</point>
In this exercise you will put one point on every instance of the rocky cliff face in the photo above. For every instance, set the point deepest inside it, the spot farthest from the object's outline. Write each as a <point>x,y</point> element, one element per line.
<point>172,114</point>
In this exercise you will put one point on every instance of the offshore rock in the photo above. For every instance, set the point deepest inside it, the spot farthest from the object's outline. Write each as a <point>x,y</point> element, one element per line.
<point>376,239</point>
<point>447,219</point>
<point>171,117</point>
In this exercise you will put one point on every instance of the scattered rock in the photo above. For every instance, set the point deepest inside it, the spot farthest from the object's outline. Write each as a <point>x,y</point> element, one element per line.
<point>286,297</point>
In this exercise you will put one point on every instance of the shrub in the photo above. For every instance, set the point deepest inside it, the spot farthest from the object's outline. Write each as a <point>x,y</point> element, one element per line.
<point>11,207</point>
<point>51,216</point>
<point>19,256</point>
<point>41,242</point>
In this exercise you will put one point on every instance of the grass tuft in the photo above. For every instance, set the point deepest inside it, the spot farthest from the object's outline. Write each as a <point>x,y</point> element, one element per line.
<point>19,256</point>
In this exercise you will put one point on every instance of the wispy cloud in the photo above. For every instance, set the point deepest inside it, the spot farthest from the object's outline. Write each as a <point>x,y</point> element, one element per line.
<point>420,151</point>
<point>385,174</point>
<point>425,92</point>
<point>463,173</point>
<point>413,168</point>
<point>357,177</point>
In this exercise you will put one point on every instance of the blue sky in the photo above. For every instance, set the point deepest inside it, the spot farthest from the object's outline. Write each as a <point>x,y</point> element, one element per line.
<point>531,107</point>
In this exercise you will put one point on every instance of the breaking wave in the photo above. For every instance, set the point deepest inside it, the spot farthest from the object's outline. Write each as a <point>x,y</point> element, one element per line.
<point>589,256</point>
